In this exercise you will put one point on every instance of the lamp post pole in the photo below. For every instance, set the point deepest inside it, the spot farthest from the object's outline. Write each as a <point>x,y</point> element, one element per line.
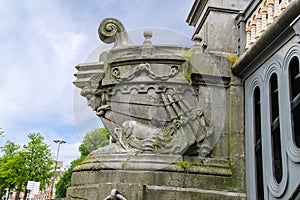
<point>52,185</point>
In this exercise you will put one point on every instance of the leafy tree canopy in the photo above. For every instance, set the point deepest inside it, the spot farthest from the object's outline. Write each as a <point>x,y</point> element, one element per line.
<point>19,165</point>
<point>10,148</point>
<point>93,140</point>
<point>10,165</point>
<point>39,160</point>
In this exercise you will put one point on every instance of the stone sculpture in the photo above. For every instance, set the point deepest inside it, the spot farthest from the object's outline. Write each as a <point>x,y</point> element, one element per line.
<point>173,115</point>
<point>143,98</point>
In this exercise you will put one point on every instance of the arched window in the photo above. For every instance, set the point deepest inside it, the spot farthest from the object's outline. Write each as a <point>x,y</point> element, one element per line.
<point>294,74</point>
<point>275,129</point>
<point>258,144</point>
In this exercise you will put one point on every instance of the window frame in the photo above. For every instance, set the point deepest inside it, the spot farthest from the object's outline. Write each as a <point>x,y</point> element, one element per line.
<point>273,66</point>
<point>292,150</point>
<point>294,101</point>
<point>276,133</point>
<point>256,82</point>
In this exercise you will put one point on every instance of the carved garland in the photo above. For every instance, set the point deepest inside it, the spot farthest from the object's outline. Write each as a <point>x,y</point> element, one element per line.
<point>143,67</point>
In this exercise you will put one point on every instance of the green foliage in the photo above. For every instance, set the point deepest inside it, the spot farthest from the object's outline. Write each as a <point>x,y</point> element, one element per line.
<point>156,145</point>
<point>10,148</point>
<point>65,181</point>
<point>184,165</point>
<point>200,162</point>
<point>124,164</point>
<point>232,58</point>
<point>188,77</point>
<point>185,53</point>
<point>83,150</point>
<point>39,161</point>
<point>93,140</point>
<point>10,166</point>
<point>19,165</point>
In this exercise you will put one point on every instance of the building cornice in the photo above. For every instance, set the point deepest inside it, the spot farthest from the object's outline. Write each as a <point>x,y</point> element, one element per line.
<point>196,11</point>
<point>216,9</point>
<point>202,8</point>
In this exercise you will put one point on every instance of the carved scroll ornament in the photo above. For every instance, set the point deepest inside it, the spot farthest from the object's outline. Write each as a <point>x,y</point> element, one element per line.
<point>144,67</point>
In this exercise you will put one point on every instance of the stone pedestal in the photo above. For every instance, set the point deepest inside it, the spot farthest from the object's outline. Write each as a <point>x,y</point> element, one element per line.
<point>143,176</point>
<point>173,114</point>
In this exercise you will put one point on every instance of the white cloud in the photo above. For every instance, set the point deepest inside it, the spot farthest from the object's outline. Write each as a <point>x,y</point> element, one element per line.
<point>42,42</point>
<point>38,70</point>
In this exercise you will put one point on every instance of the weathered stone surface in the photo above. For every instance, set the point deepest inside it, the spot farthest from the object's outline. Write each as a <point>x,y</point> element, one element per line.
<point>143,192</point>
<point>144,96</point>
<point>148,184</point>
<point>214,21</point>
<point>152,185</point>
<point>174,117</point>
<point>101,191</point>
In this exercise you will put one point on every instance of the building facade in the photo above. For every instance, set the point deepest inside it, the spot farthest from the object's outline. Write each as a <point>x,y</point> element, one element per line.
<point>264,34</point>
<point>269,67</point>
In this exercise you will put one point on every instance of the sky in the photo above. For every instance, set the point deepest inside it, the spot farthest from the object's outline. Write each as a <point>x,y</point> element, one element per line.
<point>41,42</point>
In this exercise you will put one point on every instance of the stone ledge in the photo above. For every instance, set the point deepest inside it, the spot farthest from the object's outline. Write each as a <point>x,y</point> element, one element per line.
<point>155,162</point>
<point>161,178</point>
<point>162,192</point>
<point>148,192</point>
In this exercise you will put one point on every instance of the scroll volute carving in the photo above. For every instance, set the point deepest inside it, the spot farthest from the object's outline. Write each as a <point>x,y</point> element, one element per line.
<point>112,30</point>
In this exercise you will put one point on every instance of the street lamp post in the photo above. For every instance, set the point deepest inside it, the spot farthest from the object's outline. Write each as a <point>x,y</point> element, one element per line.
<point>59,143</point>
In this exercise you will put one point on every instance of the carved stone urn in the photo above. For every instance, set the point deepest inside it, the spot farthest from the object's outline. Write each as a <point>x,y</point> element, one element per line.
<point>156,102</point>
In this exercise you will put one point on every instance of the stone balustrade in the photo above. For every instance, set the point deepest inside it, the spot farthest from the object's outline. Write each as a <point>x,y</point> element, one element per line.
<point>262,18</point>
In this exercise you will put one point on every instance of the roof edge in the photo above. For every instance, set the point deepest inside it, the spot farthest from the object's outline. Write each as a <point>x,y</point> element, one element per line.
<point>195,12</point>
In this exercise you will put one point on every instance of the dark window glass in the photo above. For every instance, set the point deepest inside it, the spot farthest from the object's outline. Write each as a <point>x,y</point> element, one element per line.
<point>258,147</point>
<point>275,129</point>
<point>295,98</point>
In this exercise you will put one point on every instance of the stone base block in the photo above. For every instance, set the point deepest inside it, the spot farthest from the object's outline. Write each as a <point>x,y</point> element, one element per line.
<point>133,191</point>
<point>152,177</point>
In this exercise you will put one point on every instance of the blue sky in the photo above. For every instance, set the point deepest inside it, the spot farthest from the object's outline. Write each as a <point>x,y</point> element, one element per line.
<point>41,42</point>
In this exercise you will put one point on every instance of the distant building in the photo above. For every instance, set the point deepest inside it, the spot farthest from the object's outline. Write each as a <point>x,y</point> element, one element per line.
<point>59,173</point>
<point>264,34</point>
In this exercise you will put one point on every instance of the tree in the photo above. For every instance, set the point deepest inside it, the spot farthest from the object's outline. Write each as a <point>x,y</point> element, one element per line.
<point>93,140</point>
<point>65,181</point>
<point>19,165</point>
<point>10,148</point>
<point>38,160</point>
<point>10,167</point>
